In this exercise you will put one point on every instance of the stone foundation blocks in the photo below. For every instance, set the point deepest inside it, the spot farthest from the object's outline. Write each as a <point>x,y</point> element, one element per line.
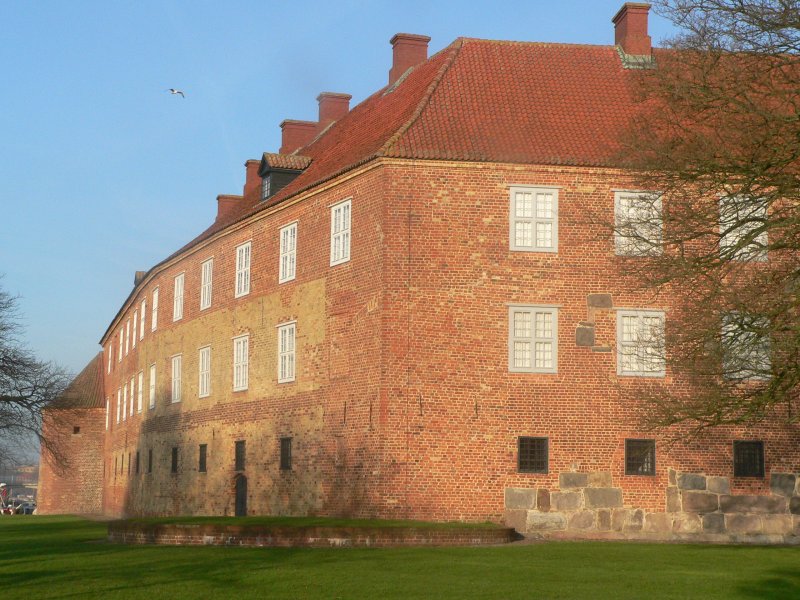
<point>752,504</point>
<point>780,524</point>
<point>687,523</point>
<point>714,523</point>
<point>657,523</point>
<point>673,499</point>
<point>546,521</point>
<point>600,479</point>
<point>699,502</point>
<point>572,480</point>
<point>794,505</point>
<point>619,518</point>
<point>583,519</point>
<point>604,519</point>
<point>718,485</point>
<point>743,523</point>
<point>543,500</point>
<point>566,500</point>
<point>602,497</point>
<point>783,484</point>
<point>520,498</point>
<point>635,521</point>
<point>691,481</point>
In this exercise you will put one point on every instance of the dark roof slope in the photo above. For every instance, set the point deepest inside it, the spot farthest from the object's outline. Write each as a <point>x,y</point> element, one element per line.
<point>86,390</point>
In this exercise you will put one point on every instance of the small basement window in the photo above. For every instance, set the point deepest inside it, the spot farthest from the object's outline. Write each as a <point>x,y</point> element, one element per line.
<point>239,455</point>
<point>748,459</point>
<point>286,454</point>
<point>640,457</point>
<point>532,455</point>
<point>76,430</point>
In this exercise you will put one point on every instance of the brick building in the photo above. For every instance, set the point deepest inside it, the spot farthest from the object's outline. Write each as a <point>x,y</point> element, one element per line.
<point>407,314</point>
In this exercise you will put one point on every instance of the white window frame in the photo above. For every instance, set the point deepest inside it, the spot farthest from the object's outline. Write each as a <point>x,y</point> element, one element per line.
<point>206,283</point>
<point>133,393</point>
<point>143,312</point>
<point>154,311</point>
<point>125,402</point>
<point>287,267</point>
<point>241,362</point>
<point>204,372</point>
<point>177,298</point>
<point>636,212</point>
<point>110,352</point>
<point>177,365</point>
<point>757,362</point>
<point>121,343</point>
<point>533,339</point>
<point>287,351</point>
<point>152,398</point>
<point>140,393</point>
<point>108,402</point>
<point>135,327</point>
<point>735,206</point>
<point>534,219</point>
<point>658,367</point>
<point>243,260</point>
<point>341,231</point>
<point>119,402</point>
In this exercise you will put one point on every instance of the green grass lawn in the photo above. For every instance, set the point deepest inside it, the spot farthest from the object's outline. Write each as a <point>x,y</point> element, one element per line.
<point>62,557</point>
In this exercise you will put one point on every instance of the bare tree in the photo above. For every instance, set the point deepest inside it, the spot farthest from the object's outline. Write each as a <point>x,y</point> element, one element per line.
<point>27,387</point>
<point>716,147</point>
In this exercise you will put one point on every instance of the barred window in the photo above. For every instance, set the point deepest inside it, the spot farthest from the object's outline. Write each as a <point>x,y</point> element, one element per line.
<point>150,460</point>
<point>748,459</point>
<point>640,457</point>
<point>286,454</point>
<point>174,467</point>
<point>533,455</point>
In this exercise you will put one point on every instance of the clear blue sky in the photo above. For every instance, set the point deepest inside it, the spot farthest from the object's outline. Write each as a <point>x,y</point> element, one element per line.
<point>103,173</point>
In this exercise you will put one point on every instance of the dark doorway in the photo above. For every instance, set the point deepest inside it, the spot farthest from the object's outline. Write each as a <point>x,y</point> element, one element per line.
<point>241,496</point>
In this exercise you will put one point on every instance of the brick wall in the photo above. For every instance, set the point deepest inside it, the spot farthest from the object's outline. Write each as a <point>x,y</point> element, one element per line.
<point>72,484</point>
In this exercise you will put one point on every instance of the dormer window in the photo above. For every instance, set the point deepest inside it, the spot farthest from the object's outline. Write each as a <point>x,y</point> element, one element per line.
<point>279,170</point>
<point>265,185</point>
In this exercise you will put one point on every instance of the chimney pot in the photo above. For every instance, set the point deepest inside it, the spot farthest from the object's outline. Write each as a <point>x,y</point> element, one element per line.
<point>630,29</point>
<point>408,50</point>
<point>252,180</point>
<point>296,134</point>
<point>332,107</point>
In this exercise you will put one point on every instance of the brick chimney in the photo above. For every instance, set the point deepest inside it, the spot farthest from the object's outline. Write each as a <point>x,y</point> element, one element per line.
<point>630,29</point>
<point>226,203</point>
<point>332,107</point>
<point>296,134</point>
<point>138,277</point>
<point>252,180</point>
<point>408,50</point>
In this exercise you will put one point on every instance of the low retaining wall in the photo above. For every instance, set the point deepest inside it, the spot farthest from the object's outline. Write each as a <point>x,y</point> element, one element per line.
<point>697,508</point>
<point>178,534</point>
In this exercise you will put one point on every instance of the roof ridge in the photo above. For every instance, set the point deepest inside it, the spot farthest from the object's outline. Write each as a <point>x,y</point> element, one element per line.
<point>425,100</point>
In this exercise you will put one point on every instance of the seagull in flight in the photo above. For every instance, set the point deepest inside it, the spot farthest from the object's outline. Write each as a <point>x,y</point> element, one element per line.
<point>173,91</point>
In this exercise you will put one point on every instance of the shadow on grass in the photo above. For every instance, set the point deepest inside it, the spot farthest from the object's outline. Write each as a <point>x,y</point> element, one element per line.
<point>775,583</point>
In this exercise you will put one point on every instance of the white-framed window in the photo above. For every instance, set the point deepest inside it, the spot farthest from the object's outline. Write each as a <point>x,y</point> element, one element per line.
<point>340,232</point>
<point>637,223</point>
<point>108,402</point>
<point>177,298</point>
<point>121,343</point>
<point>154,312</point>
<point>288,260</point>
<point>206,277</point>
<point>152,398</point>
<point>127,336</point>
<point>265,187</point>
<point>204,362</point>
<point>286,352</point>
<point>176,378</point>
<point>141,323</point>
<point>742,228</point>
<point>133,393</point>
<point>745,346</point>
<point>110,352</point>
<point>135,327</point>
<point>119,403</point>
<point>241,362</point>
<point>140,392</point>
<point>640,343</point>
<point>125,402</point>
<point>243,269</point>
<point>534,219</point>
<point>532,339</point>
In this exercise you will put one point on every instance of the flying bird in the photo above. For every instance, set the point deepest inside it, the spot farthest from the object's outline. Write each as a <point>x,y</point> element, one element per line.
<point>173,91</point>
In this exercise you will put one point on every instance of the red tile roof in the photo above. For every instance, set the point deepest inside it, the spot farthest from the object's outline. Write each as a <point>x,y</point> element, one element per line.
<point>478,100</point>
<point>86,390</point>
